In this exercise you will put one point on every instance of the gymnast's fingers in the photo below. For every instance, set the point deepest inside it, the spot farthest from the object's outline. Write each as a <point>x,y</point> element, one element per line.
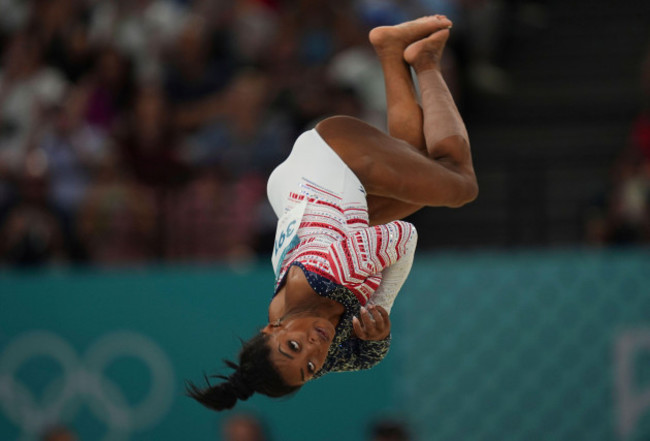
<point>386,318</point>
<point>366,318</point>
<point>377,316</point>
<point>383,313</point>
<point>358,330</point>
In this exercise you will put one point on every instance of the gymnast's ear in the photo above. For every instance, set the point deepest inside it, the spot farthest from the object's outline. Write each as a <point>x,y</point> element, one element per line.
<point>272,327</point>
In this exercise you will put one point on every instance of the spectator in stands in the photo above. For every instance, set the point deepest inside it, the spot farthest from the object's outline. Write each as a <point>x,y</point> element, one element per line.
<point>316,30</point>
<point>623,216</point>
<point>389,430</point>
<point>629,204</point>
<point>243,427</point>
<point>141,30</point>
<point>196,76</point>
<point>32,232</point>
<point>107,89</point>
<point>117,218</point>
<point>252,28</point>
<point>28,88</point>
<point>149,143</point>
<point>196,219</point>
<point>59,433</point>
<point>60,29</point>
<point>248,135</point>
<point>13,16</point>
<point>74,150</point>
<point>71,52</point>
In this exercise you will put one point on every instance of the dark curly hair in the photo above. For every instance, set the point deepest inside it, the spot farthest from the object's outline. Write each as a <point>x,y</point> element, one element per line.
<point>255,373</point>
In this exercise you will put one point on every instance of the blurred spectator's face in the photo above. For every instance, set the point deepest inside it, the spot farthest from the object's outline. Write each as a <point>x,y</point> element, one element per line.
<point>192,43</point>
<point>389,438</point>
<point>62,434</point>
<point>242,429</point>
<point>150,111</point>
<point>111,68</point>
<point>68,116</point>
<point>21,56</point>
<point>389,431</point>
<point>33,189</point>
<point>248,92</point>
<point>78,40</point>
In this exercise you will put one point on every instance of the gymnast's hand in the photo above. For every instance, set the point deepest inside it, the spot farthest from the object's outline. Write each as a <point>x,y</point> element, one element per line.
<point>373,325</point>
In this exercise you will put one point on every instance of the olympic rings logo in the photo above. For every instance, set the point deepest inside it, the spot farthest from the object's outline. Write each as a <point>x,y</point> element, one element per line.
<point>82,380</point>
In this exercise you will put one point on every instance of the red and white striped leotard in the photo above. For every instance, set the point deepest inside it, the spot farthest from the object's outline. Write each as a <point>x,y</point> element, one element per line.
<point>333,237</point>
<point>337,243</point>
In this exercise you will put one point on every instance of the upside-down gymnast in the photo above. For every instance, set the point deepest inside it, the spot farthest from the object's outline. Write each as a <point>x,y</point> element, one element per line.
<point>340,254</point>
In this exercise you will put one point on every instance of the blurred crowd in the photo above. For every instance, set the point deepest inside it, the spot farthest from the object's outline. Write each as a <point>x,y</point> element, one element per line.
<point>250,427</point>
<point>246,426</point>
<point>144,130</point>
<point>621,215</point>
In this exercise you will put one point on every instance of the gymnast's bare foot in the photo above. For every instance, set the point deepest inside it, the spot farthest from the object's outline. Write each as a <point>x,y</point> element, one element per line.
<point>393,40</point>
<point>425,54</point>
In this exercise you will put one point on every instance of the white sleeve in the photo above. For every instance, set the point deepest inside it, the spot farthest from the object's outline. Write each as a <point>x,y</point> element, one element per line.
<point>394,276</point>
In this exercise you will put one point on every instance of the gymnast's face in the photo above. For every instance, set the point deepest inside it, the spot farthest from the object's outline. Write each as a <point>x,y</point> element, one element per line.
<point>299,347</point>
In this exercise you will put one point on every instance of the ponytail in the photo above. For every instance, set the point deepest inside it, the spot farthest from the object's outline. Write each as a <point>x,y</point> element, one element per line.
<point>255,373</point>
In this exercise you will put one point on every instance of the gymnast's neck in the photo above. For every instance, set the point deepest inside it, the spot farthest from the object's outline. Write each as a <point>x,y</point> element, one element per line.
<point>297,298</point>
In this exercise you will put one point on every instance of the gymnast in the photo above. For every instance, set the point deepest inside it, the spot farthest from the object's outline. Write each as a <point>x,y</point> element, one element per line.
<point>341,255</point>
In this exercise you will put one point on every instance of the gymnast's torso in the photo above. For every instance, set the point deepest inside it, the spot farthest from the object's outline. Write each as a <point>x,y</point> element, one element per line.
<point>323,231</point>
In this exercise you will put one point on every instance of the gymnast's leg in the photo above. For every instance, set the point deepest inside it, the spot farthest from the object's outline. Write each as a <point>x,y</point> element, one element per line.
<point>404,113</point>
<point>427,159</point>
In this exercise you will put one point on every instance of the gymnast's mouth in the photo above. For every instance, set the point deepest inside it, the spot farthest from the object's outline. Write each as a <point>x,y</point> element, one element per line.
<point>323,334</point>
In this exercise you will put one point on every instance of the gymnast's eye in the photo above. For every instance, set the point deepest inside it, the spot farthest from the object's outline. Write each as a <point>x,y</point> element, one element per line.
<point>294,346</point>
<point>311,367</point>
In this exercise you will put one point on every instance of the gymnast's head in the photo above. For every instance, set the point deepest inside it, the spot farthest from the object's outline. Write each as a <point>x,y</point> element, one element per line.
<point>276,362</point>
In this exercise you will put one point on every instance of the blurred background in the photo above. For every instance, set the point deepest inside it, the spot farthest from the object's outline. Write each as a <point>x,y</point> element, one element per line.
<point>136,138</point>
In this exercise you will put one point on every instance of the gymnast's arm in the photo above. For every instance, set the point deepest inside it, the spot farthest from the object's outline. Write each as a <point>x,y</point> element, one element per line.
<point>394,276</point>
<point>368,251</point>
